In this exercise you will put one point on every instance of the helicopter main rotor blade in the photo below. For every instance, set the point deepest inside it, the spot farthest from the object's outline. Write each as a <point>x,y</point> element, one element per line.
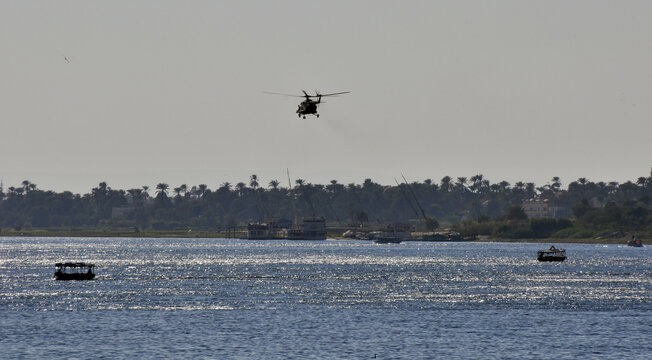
<point>333,94</point>
<point>274,93</point>
<point>306,95</point>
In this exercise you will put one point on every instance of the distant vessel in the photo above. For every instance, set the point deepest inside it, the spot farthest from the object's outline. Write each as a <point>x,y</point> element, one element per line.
<point>552,254</point>
<point>263,231</point>
<point>311,229</point>
<point>74,271</point>
<point>360,235</point>
<point>257,231</point>
<point>394,234</point>
<point>451,236</point>
<point>387,240</point>
<point>635,242</point>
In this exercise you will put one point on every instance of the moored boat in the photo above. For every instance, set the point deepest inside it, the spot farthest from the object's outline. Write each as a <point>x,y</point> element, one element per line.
<point>264,231</point>
<point>311,229</point>
<point>393,234</point>
<point>635,242</point>
<point>74,271</point>
<point>552,254</point>
<point>258,231</point>
<point>388,240</point>
<point>452,236</point>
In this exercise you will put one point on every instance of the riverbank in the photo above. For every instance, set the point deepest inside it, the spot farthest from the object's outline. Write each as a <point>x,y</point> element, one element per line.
<point>223,234</point>
<point>114,233</point>
<point>614,241</point>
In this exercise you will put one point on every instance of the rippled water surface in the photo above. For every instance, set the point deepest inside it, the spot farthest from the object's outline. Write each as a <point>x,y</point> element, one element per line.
<point>219,298</point>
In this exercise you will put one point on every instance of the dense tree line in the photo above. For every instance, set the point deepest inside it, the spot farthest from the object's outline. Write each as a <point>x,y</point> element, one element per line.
<point>451,201</point>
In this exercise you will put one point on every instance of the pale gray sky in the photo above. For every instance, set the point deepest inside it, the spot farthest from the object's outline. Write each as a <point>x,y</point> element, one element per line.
<point>171,91</point>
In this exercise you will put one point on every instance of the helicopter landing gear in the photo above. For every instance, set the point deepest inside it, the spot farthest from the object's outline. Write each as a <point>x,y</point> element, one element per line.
<point>317,115</point>
<point>304,116</point>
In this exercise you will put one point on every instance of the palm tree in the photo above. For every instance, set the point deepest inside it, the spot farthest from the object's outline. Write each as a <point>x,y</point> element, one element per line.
<point>253,181</point>
<point>194,192</point>
<point>476,182</point>
<point>239,187</point>
<point>556,184</point>
<point>162,188</point>
<point>136,196</point>
<point>28,186</point>
<point>641,181</point>
<point>334,187</point>
<point>445,184</point>
<point>460,186</point>
<point>274,184</point>
<point>530,189</point>
<point>146,191</point>
<point>504,186</point>
<point>203,188</point>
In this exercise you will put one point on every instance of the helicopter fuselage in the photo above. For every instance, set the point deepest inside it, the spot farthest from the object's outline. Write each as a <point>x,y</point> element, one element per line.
<point>308,107</point>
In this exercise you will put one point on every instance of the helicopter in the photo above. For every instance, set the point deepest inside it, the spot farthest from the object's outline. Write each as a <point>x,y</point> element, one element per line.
<point>308,106</point>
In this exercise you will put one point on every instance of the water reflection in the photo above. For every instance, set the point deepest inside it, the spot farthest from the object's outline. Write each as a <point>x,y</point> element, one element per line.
<point>206,274</point>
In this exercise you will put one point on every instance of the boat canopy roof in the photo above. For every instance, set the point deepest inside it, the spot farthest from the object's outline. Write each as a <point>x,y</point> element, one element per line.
<point>552,250</point>
<point>74,264</point>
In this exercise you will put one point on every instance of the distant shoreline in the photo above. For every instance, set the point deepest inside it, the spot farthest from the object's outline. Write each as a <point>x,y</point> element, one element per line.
<point>223,235</point>
<point>610,241</point>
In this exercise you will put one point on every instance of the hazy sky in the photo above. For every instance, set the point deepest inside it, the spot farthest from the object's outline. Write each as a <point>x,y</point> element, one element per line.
<point>171,91</point>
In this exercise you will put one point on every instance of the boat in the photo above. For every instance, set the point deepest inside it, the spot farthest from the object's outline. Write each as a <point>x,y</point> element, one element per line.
<point>264,231</point>
<point>450,236</point>
<point>387,240</point>
<point>393,234</point>
<point>361,235</point>
<point>552,254</point>
<point>294,234</point>
<point>311,229</point>
<point>74,271</point>
<point>635,242</point>
<point>435,237</point>
<point>257,231</point>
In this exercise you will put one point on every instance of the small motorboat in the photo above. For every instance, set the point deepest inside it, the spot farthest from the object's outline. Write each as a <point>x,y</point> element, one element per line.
<point>552,254</point>
<point>635,242</point>
<point>74,271</point>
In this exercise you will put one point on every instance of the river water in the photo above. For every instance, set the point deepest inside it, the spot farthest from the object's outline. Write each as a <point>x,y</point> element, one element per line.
<point>239,299</point>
